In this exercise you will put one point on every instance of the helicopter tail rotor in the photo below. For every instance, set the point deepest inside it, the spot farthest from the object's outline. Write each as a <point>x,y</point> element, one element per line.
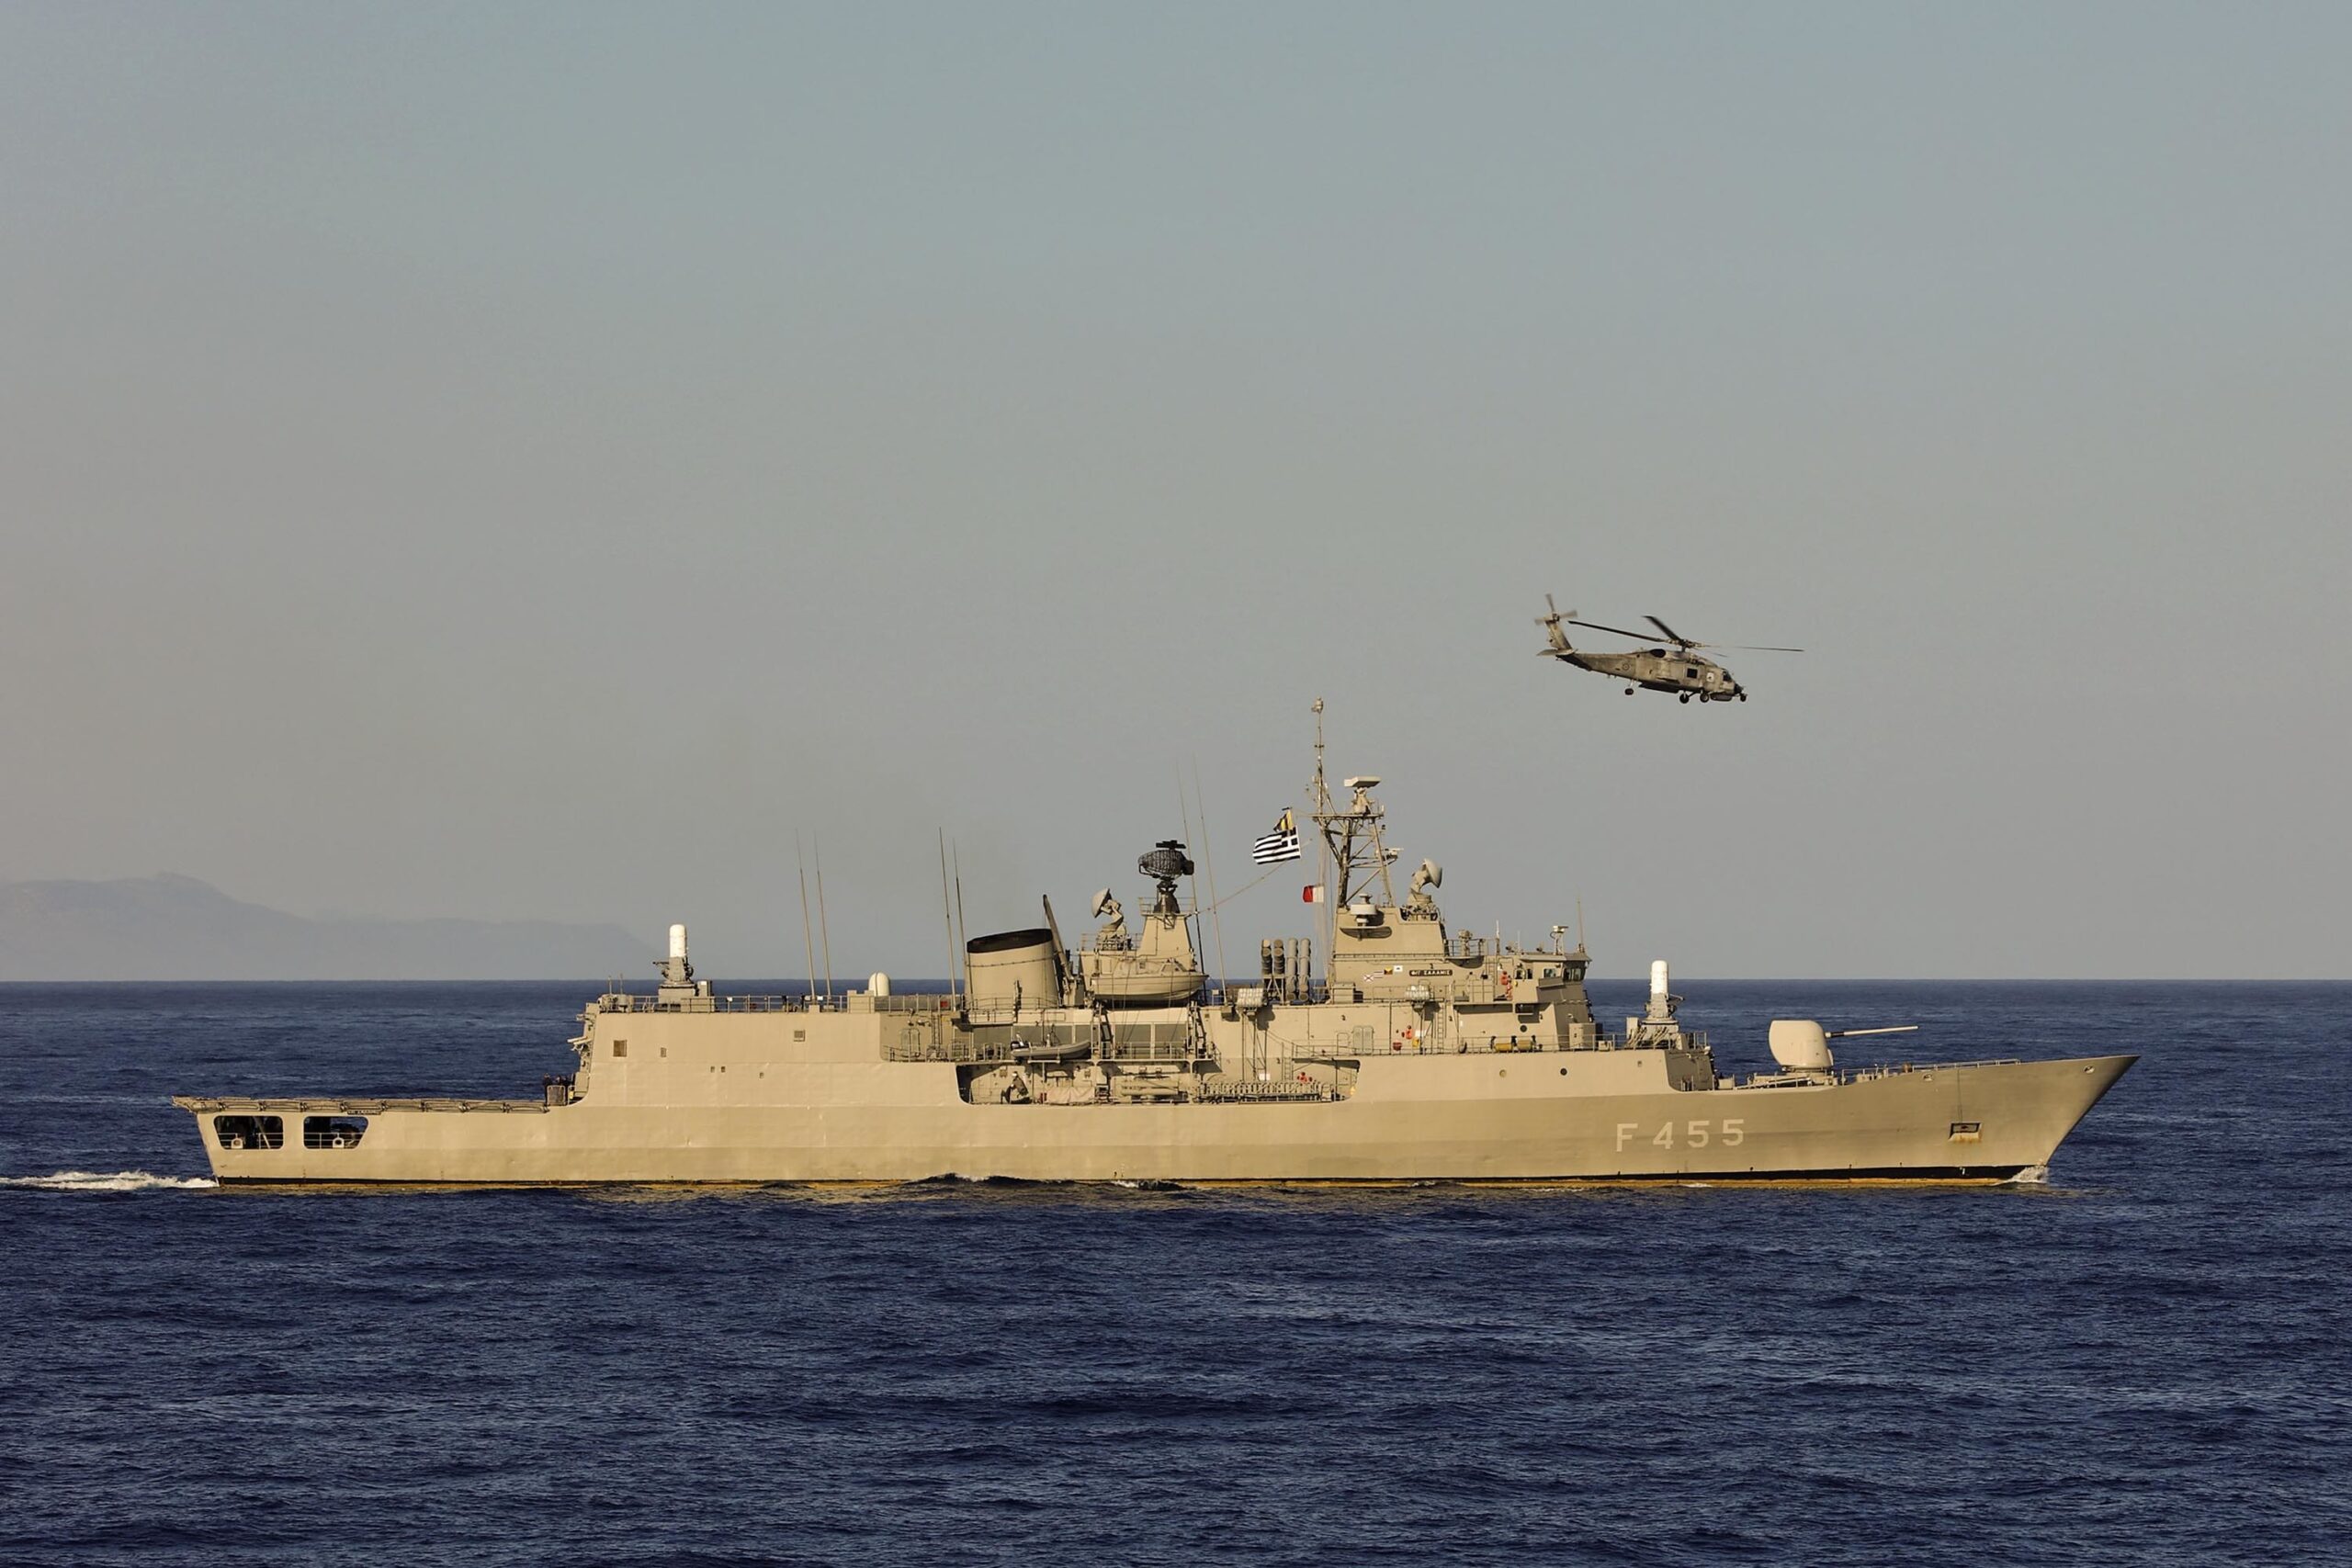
<point>1551,625</point>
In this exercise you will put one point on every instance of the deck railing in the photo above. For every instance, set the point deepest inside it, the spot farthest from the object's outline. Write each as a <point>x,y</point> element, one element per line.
<point>638,1001</point>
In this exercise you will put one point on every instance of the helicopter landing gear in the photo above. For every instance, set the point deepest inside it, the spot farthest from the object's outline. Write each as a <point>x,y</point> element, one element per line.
<point>1743,696</point>
<point>1686,696</point>
<point>1629,691</point>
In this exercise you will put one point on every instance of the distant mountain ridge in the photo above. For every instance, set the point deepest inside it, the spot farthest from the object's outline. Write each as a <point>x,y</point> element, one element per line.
<point>178,928</point>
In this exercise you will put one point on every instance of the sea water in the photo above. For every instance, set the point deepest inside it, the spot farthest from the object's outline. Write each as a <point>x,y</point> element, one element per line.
<point>2143,1360</point>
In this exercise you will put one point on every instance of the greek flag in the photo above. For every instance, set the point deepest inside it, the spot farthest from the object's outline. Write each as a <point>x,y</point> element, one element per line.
<point>1281,844</point>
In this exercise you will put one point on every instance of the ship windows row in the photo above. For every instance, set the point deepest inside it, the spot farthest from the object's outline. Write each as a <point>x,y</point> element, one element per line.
<point>269,1131</point>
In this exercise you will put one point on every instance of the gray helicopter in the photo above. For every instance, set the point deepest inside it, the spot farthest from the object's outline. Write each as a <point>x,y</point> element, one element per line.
<point>1680,670</point>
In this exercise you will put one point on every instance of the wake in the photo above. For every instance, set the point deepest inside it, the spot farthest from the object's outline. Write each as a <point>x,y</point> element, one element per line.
<point>108,1182</point>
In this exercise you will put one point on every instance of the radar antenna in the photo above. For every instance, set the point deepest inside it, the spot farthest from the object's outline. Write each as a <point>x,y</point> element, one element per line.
<point>1164,862</point>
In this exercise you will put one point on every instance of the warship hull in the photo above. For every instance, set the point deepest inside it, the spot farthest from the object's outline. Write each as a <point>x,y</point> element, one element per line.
<point>1495,1116</point>
<point>1417,1055</point>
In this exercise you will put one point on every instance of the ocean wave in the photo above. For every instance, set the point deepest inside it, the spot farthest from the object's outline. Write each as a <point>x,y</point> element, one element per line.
<point>108,1182</point>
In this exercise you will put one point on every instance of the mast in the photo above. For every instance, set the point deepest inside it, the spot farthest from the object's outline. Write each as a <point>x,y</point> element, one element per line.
<point>1321,799</point>
<point>1351,836</point>
<point>947,915</point>
<point>1209,863</point>
<point>824,930</point>
<point>807,940</point>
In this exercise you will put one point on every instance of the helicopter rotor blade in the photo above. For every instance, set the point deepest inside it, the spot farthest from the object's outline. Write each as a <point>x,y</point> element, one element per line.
<point>1671,635</point>
<point>1681,641</point>
<point>1596,626</point>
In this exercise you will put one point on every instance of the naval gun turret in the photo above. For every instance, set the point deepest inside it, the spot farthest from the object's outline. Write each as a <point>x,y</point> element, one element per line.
<point>1802,1046</point>
<point>1157,967</point>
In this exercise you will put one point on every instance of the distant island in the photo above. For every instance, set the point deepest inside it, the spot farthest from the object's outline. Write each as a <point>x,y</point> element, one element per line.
<point>176,928</point>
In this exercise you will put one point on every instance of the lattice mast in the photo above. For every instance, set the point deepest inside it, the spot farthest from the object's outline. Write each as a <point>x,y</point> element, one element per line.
<point>1352,835</point>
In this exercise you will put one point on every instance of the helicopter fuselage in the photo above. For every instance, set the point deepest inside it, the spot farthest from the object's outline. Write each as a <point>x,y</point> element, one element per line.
<point>1686,674</point>
<point>1680,669</point>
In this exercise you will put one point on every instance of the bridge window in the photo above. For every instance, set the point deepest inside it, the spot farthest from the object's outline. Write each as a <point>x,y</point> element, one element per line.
<point>250,1132</point>
<point>333,1131</point>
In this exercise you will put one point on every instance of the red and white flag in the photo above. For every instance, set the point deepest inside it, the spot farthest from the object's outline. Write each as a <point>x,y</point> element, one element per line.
<point>1311,893</point>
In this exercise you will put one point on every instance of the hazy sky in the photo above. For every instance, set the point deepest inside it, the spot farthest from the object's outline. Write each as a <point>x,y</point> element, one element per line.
<point>530,461</point>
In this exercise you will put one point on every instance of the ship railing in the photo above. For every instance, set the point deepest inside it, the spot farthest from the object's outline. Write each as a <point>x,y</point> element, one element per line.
<point>1450,1043</point>
<point>1028,1012</point>
<point>1062,1042</point>
<point>962,1051</point>
<point>633,1001</point>
<point>970,1052</point>
<point>1276,1090</point>
<point>625,1001</point>
<point>346,1105</point>
<point>1279,992</point>
<point>1802,1077</point>
<point>1896,1069</point>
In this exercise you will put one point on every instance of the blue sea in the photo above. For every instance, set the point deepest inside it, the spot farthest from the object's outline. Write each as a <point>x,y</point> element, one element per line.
<point>2146,1361</point>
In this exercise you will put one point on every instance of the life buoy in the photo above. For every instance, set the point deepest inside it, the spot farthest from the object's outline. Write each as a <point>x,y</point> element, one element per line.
<point>337,1141</point>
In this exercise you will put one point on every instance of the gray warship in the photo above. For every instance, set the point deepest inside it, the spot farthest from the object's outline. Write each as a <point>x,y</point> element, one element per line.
<point>1417,1054</point>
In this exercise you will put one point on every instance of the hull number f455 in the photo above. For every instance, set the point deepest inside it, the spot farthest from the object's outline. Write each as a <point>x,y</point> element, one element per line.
<point>1730,1132</point>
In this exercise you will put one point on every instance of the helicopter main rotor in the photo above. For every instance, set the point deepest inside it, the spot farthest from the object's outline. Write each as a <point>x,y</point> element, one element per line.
<point>1677,638</point>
